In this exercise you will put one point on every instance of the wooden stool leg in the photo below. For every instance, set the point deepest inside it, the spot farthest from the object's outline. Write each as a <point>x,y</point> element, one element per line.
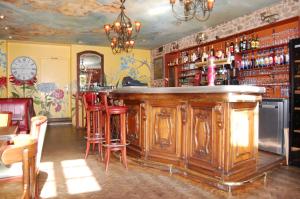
<point>123,138</point>
<point>88,132</point>
<point>107,139</point>
<point>94,129</point>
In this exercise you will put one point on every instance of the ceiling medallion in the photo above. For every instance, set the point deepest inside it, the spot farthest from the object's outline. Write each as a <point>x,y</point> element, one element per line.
<point>120,33</point>
<point>198,9</point>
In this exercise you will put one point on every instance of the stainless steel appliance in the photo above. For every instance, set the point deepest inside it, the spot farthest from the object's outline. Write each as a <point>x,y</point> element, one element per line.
<point>273,118</point>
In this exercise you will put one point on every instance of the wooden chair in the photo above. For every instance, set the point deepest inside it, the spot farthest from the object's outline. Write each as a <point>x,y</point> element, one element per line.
<point>14,172</point>
<point>114,144</point>
<point>5,118</point>
<point>93,122</point>
<point>26,154</point>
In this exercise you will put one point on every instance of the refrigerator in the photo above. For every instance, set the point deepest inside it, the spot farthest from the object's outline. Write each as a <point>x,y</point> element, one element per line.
<point>273,118</point>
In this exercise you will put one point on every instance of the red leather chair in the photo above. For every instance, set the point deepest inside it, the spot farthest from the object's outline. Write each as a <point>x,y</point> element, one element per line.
<point>93,122</point>
<point>114,144</point>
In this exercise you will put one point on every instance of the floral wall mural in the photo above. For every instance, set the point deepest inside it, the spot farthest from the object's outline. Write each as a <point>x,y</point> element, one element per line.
<point>136,68</point>
<point>3,69</point>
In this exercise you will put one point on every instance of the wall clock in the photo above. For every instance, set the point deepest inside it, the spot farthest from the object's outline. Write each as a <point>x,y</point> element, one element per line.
<point>23,68</point>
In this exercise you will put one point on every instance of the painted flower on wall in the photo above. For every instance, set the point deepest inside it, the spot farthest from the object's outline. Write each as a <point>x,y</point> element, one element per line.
<point>27,87</point>
<point>3,84</point>
<point>51,97</point>
<point>3,61</point>
<point>131,66</point>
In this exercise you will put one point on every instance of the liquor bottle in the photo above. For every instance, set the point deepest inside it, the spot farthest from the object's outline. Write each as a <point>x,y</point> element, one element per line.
<point>241,44</point>
<point>227,51</point>
<point>199,55</point>
<point>253,63</point>
<point>212,51</point>
<point>204,55</point>
<point>236,47</point>
<point>253,43</point>
<point>249,47</point>
<point>257,42</point>
<point>231,47</point>
<point>244,43</point>
<point>271,57</point>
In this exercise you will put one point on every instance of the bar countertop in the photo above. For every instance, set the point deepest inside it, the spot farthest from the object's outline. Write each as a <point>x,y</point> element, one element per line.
<point>194,89</point>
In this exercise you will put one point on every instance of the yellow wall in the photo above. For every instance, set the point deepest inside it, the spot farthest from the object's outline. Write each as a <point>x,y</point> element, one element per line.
<point>63,59</point>
<point>3,68</point>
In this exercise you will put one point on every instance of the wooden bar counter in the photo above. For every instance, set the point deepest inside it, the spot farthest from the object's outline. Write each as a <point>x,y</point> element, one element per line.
<point>208,133</point>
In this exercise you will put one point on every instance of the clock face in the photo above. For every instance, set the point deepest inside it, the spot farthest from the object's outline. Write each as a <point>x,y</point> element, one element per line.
<point>23,68</point>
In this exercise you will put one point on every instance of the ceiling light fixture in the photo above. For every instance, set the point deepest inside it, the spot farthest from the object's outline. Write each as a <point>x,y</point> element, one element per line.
<point>198,9</point>
<point>120,33</point>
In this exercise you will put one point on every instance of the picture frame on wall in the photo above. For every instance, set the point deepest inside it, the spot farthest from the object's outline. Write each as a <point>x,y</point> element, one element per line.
<point>158,68</point>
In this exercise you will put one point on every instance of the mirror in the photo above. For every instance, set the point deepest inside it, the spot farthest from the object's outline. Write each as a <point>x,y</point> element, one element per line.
<point>90,71</point>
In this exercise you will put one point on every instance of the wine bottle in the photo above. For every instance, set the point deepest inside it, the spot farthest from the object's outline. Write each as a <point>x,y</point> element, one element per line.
<point>241,44</point>
<point>236,47</point>
<point>244,43</point>
<point>231,47</point>
<point>253,43</point>
<point>249,47</point>
<point>256,42</point>
<point>212,51</point>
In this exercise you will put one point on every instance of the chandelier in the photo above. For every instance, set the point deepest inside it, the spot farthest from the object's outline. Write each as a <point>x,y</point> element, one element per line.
<point>120,33</point>
<point>198,9</point>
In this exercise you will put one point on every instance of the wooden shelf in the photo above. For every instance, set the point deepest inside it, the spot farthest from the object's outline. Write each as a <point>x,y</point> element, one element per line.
<point>297,92</point>
<point>297,130</point>
<point>297,61</point>
<point>217,62</point>
<point>186,70</point>
<point>295,149</point>
<point>297,76</point>
<point>259,49</point>
<point>297,108</point>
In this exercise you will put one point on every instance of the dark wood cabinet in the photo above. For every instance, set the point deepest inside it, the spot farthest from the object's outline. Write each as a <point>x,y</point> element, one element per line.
<point>294,133</point>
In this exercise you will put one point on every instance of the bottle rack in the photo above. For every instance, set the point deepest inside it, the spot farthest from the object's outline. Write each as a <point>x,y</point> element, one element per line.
<point>186,64</point>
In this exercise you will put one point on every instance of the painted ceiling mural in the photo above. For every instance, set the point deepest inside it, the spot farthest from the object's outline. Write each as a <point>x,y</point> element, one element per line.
<point>81,21</point>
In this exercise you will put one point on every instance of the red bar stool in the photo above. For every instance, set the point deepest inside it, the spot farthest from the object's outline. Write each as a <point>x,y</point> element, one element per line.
<point>93,122</point>
<point>114,144</point>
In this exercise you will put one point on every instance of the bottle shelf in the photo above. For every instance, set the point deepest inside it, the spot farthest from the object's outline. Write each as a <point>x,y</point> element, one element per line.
<point>217,62</point>
<point>297,61</point>
<point>272,84</point>
<point>261,49</point>
<point>266,74</point>
<point>187,70</point>
<point>297,92</point>
<point>187,76</point>
<point>297,108</point>
<point>297,130</point>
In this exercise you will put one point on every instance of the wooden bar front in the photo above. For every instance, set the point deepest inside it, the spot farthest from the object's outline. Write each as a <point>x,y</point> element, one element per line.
<point>209,133</point>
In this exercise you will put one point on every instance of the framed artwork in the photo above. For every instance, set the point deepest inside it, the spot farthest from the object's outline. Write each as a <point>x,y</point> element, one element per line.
<point>158,68</point>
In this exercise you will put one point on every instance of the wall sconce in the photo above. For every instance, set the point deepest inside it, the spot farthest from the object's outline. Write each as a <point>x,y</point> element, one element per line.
<point>269,17</point>
<point>200,37</point>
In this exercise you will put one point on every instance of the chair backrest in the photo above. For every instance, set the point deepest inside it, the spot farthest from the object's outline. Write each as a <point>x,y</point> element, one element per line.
<point>26,154</point>
<point>38,130</point>
<point>89,98</point>
<point>103,100</point>
<point>5,118</point>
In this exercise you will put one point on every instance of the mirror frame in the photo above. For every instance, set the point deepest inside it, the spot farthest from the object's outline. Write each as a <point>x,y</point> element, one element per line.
<point>101,71</point>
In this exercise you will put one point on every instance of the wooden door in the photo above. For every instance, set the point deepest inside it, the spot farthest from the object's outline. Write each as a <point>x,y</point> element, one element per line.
<point>58,100</point>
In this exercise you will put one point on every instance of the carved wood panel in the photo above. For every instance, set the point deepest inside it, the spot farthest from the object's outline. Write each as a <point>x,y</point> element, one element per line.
<point>164,131</point>
<point>206,135</point>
